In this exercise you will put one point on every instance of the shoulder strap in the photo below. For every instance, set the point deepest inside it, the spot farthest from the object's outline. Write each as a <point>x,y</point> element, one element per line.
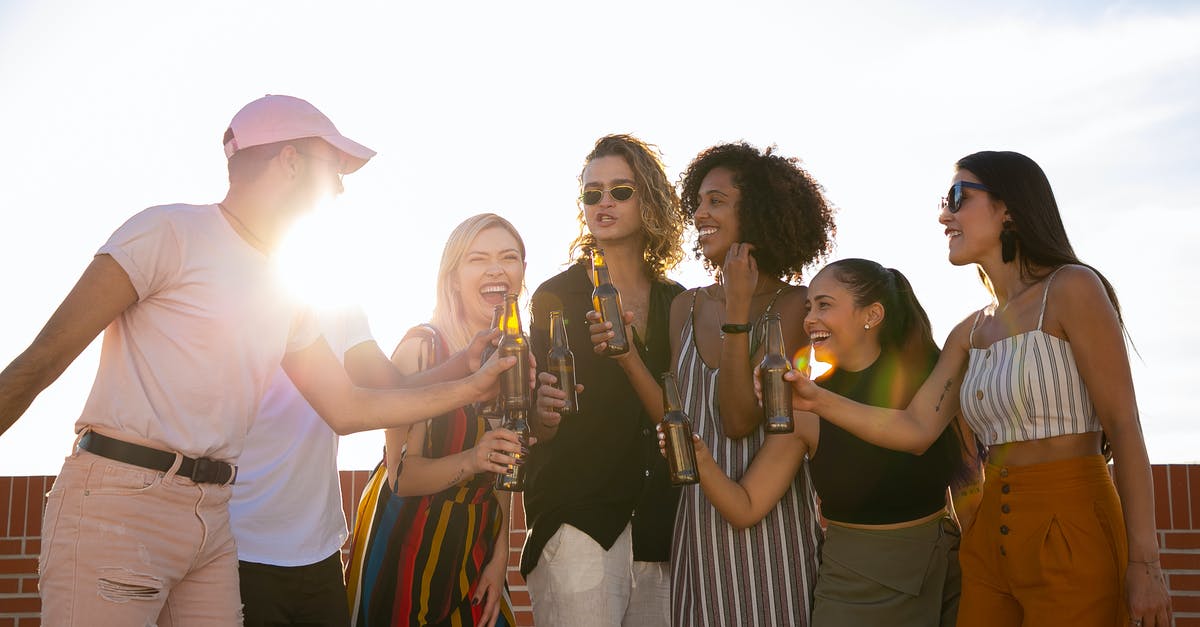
<point>1046,296</point>
<point>774,298</point>
<point>974,325</point>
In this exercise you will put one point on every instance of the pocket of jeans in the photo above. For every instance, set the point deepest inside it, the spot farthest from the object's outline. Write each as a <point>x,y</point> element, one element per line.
<point>54,500</point>
<point>122,479</point>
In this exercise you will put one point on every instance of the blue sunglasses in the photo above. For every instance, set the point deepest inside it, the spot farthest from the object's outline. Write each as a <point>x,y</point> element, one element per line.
<point>953,199</point>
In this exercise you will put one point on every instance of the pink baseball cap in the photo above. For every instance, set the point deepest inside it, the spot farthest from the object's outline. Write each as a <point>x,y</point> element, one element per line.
<point>275,118</point>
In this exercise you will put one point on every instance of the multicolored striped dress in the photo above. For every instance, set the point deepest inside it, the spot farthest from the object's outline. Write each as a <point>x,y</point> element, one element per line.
<point>762,576</point>
<point>419,558</point>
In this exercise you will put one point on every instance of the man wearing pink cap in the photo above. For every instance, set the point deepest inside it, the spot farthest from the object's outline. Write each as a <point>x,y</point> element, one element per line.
<point>136,526</point>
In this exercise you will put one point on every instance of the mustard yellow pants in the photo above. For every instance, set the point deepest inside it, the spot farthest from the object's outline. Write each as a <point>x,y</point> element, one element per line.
<point>1047,547</point>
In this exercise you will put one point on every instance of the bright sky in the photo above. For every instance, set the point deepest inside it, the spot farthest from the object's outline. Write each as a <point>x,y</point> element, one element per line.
<point>109,108</point>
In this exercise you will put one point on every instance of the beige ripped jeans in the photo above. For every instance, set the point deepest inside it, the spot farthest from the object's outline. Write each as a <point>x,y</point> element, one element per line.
<point>124,545</point>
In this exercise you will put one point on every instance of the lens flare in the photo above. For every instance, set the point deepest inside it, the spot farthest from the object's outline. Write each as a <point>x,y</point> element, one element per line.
<point>806,362</point>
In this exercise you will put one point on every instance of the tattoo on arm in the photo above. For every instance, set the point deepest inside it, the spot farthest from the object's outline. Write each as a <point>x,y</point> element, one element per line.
<point>941,398</point>
<point>457,477</point>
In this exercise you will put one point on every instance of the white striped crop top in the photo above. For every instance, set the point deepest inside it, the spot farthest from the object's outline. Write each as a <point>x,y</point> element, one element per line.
<point>1025,387</point>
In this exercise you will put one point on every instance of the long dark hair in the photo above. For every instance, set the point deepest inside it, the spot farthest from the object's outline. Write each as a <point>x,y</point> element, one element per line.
<point>1041,239</point>
<point>906,345</point>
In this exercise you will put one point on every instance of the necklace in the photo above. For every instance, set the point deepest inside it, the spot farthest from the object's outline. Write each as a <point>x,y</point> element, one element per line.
<point>1014,297</point>
<point>226,211</point>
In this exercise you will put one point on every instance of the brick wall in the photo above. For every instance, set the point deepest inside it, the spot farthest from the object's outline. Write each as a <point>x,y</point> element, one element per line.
<point>1177,515</point>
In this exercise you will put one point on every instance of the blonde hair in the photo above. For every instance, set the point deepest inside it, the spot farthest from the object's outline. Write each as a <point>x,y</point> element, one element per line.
<point>662,221</point>
<point>448,311</point>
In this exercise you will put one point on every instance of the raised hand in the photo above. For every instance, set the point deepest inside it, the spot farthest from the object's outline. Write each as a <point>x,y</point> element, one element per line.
<point>485,382</point>
<point>601,332</point>
<point>479,344</point>
<point>550,399</point>
<point>494,452</point>
<point>739,275</point>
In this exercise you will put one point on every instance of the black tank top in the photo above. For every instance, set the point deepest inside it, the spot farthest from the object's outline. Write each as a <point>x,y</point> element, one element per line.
<point>865,484</point>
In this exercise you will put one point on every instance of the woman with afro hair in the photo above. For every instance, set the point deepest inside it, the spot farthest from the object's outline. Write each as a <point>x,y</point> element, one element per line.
<point>760,220</point>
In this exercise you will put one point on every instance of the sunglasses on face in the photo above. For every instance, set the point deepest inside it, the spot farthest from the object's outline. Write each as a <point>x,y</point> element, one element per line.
<point>618,193</point>
<point>953,200</point>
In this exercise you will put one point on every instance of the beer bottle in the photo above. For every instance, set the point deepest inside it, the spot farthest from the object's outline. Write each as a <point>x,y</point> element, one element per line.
<point>677,432</point>
<point>491,409</point>
<point>514,382</point>
<point>776,393</point>
<point>513,477</point>
<point>561,363</point>
<point>606,300</point>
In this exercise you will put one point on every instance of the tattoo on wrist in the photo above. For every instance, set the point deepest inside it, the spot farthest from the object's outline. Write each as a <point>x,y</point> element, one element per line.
<point>457,477</point>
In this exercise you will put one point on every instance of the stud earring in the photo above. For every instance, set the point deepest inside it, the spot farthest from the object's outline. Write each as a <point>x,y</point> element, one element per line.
<point>867,326</point>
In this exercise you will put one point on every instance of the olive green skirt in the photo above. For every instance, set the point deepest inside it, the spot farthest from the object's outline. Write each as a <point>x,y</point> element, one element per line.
<point>898,577</point>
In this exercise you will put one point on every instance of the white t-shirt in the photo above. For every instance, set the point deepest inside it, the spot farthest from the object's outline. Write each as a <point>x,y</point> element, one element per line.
<point>286,508</point>
<point>183,369</point>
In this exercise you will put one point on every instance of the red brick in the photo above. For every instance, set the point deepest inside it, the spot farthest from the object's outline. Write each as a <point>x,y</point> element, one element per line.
<point>524,619</point>
<point>9,547</point>
<point>16,516</point>
<point>5,497</point>
<point>1181,539</point>
<point>37,506</point>
<point>518,512</point>
<point>1162,497</point>
<point>1181,515</point>
<point>520,598</point>
<point>8,622</point>
<point>515,578</point>
<point>1187,621</point>
<point>33,546</point>
<point>1180,561</point>
<point>1185,604</point>
<point>20,605</point>
<point>19,566</point>
<point>1194,493</point>
<point>1184,582</point>
<point>29,621</point>
<point>9,585</point>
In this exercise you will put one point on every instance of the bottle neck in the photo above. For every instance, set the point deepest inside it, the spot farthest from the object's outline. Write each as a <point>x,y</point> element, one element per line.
<point>558,331</point>
<point>774,336</point>
<point>671,400</point>
<point>512,317</point>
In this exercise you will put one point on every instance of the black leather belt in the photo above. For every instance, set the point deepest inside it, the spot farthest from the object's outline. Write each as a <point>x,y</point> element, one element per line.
<point>202,470</point>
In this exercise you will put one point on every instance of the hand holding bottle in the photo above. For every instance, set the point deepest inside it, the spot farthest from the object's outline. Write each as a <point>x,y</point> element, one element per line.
<point>601,331</point>
<point>550,400</point>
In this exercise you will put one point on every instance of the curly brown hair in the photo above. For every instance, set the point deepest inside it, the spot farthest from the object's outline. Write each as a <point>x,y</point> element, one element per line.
<point>782,212</point>
<point>662,222</point>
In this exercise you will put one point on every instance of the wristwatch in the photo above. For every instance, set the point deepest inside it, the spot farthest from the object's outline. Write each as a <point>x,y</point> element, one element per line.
<point>735,328</point>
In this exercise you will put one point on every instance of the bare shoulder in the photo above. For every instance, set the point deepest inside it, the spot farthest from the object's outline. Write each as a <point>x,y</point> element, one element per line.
<point>682,304</point>
<point>1077,286</point>
<point>959,338</point>
<point>410,352</point>
<point>793,299</point>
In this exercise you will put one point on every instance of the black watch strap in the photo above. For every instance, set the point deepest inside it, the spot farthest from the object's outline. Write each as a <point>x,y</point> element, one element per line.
<point>735,328</point>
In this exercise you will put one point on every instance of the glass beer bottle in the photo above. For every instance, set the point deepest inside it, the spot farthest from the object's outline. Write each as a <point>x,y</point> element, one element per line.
<point>561,363</point>
<point>513,477</point>
<point>677,433</point>
<point>514,382</point>
<point>776,393</point>
<point>606,301</point>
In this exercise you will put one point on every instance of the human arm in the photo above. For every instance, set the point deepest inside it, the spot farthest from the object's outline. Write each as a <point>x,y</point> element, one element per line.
<point>458,365</point>
<point>1079,303</point>
<point>101,294</point>
<point>644,383</point>
<point>428,475</point>
<point>913,429</point>
<point>326,386</point>
<point>745,502</point>
<point>490,589</point>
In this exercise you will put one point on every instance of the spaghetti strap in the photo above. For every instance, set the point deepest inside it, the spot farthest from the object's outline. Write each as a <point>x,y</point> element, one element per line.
<point>973,327</point>
<point>774,298</point>
<point>1046,296</point>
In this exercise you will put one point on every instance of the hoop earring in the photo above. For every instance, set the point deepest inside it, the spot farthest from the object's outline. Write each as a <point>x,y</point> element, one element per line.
<point>1008,242</point>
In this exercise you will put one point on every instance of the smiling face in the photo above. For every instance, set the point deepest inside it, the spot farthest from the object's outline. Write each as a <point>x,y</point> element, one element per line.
<point>835,324</point>
<point>973,233</point>
<point>611,220</point>
<point>716,216</point>
<point>491,267</point>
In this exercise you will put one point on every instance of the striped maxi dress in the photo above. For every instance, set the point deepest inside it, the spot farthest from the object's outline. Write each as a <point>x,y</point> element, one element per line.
<point>423,555</point>
<point>762,576</point>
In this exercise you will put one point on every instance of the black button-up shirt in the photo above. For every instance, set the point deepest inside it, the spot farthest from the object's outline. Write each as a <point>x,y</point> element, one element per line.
<point>603,468</point>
